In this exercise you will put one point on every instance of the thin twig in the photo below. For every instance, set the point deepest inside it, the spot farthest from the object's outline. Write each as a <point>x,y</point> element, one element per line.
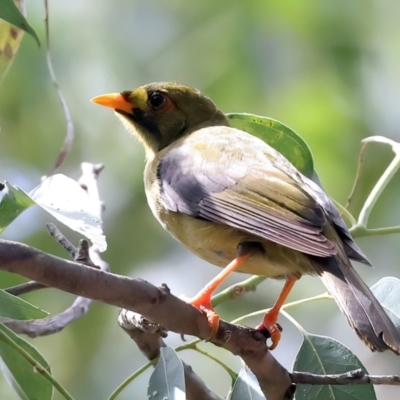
<point>377,190</point>
<point>356,377</point>
<point>236,290</point>
<point>24,288</point>
<point>69,137</point>
<point>360,163</point>
<point>61,239</point>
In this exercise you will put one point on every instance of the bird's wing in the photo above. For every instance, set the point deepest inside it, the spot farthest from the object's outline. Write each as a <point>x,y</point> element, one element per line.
<point>259,192</point>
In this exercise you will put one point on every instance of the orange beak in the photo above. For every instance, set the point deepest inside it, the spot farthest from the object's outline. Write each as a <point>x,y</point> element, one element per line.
<point>113,100</point>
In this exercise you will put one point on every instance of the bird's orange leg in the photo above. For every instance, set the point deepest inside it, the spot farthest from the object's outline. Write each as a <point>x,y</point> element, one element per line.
<point>202,300</point>
<point>271,316</point>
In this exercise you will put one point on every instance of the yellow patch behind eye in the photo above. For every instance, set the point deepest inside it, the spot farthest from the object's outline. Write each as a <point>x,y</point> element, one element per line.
<point>139,98</point>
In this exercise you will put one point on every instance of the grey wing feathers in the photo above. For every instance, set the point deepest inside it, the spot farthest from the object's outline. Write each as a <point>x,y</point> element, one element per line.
<point>350,247</point>
<point>246,198</point>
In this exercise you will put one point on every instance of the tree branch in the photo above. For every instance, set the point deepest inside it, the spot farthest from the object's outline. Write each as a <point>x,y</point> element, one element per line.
<point>156,304</point>
<point>150,341</point>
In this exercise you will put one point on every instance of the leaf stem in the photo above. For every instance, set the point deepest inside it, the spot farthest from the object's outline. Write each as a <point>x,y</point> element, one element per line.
<point>293,321</point>
<point>360,231</point>
<point>346,213</point>
<point>234,291</point>
<point>70,134</point>
<point>36,365</point>
<point>323,296</point>
<point>231,373</point>
<point>188,346</point>
<point>193,346</point>
<point>377,190</point>
<point>130,378</point>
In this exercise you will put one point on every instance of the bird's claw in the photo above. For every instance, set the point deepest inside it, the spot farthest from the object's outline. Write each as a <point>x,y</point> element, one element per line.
<point>270,326</point>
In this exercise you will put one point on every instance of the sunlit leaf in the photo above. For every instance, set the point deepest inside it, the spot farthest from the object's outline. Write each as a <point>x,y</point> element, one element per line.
<point>65,199</point>
<point>16,308</point>
<point>13,202</point>
<point>19,373</point>
<point>278,136</point>
<point>168,379</point>
<point>246,386</point>
<point>387,291</point>
<point>323,355</point>
<point>60,196</point>
<point>10,13</point>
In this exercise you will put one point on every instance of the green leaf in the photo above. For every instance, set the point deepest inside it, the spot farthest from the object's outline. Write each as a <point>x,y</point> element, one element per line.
<point>278,136</point>
<point>10,39</point>
<point>323,355</point>
<point>64,199</point>
<point>12,204</point>
<point>246,386</point>
<point>10,13</point>
<point>387,291</point>
<point>19,373</point>
<point>168,379</point>
<point>15,308</point>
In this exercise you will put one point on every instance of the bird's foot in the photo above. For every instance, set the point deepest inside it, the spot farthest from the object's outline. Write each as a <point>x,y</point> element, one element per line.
<point>270,324</point>
<point>202,301</point>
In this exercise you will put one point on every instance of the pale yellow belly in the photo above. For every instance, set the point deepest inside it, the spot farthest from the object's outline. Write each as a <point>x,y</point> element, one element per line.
<point>217,244</point>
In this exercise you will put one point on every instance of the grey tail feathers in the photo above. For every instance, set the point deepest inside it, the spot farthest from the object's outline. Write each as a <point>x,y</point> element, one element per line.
<point>363,311</point>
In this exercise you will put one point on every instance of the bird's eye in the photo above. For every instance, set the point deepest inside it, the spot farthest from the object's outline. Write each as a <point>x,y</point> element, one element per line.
<point>157,100</point>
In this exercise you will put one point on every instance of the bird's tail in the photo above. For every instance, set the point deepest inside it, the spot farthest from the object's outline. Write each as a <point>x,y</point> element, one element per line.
<point>363,311</point>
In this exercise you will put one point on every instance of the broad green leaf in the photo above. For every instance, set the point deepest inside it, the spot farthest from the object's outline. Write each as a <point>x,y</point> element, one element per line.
<point>246,386</point>
<point>323,355</point>
<point>13,202</point>
<point>278,136</point>
<point>64,199</point>
<point>167,380</point>
<point>15,308</point>
<point>387,291</point>
<point>19,373</point>
<point>10,13</point>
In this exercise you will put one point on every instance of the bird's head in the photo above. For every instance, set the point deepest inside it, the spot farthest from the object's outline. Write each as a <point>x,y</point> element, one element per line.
<point>161,113</point>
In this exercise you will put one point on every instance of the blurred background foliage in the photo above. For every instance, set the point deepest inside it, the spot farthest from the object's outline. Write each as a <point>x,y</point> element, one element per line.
<point>328,69</point>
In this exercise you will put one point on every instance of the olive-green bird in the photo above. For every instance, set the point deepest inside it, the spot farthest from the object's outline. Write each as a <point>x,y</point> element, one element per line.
<point>237,203</point>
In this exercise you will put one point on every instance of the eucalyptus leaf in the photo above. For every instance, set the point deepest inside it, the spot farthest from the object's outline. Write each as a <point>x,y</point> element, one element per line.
<point>65,200</point>
<point>60,196</point>
<point>323,355</point>
<point>13,202</point>
<point>10,13</point>
<point>15,308</point>
<point>10,39</point>
<point>278,136</point>
<point>168,378</point>
<point>387,291</point>
<point>246,386</point>
<point>19,373</point>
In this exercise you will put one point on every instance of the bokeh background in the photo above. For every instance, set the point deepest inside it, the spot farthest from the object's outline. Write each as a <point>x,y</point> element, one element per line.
<point>330,70</point>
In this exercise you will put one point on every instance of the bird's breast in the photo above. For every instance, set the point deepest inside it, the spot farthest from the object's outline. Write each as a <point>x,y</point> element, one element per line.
<point>217,244</point>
